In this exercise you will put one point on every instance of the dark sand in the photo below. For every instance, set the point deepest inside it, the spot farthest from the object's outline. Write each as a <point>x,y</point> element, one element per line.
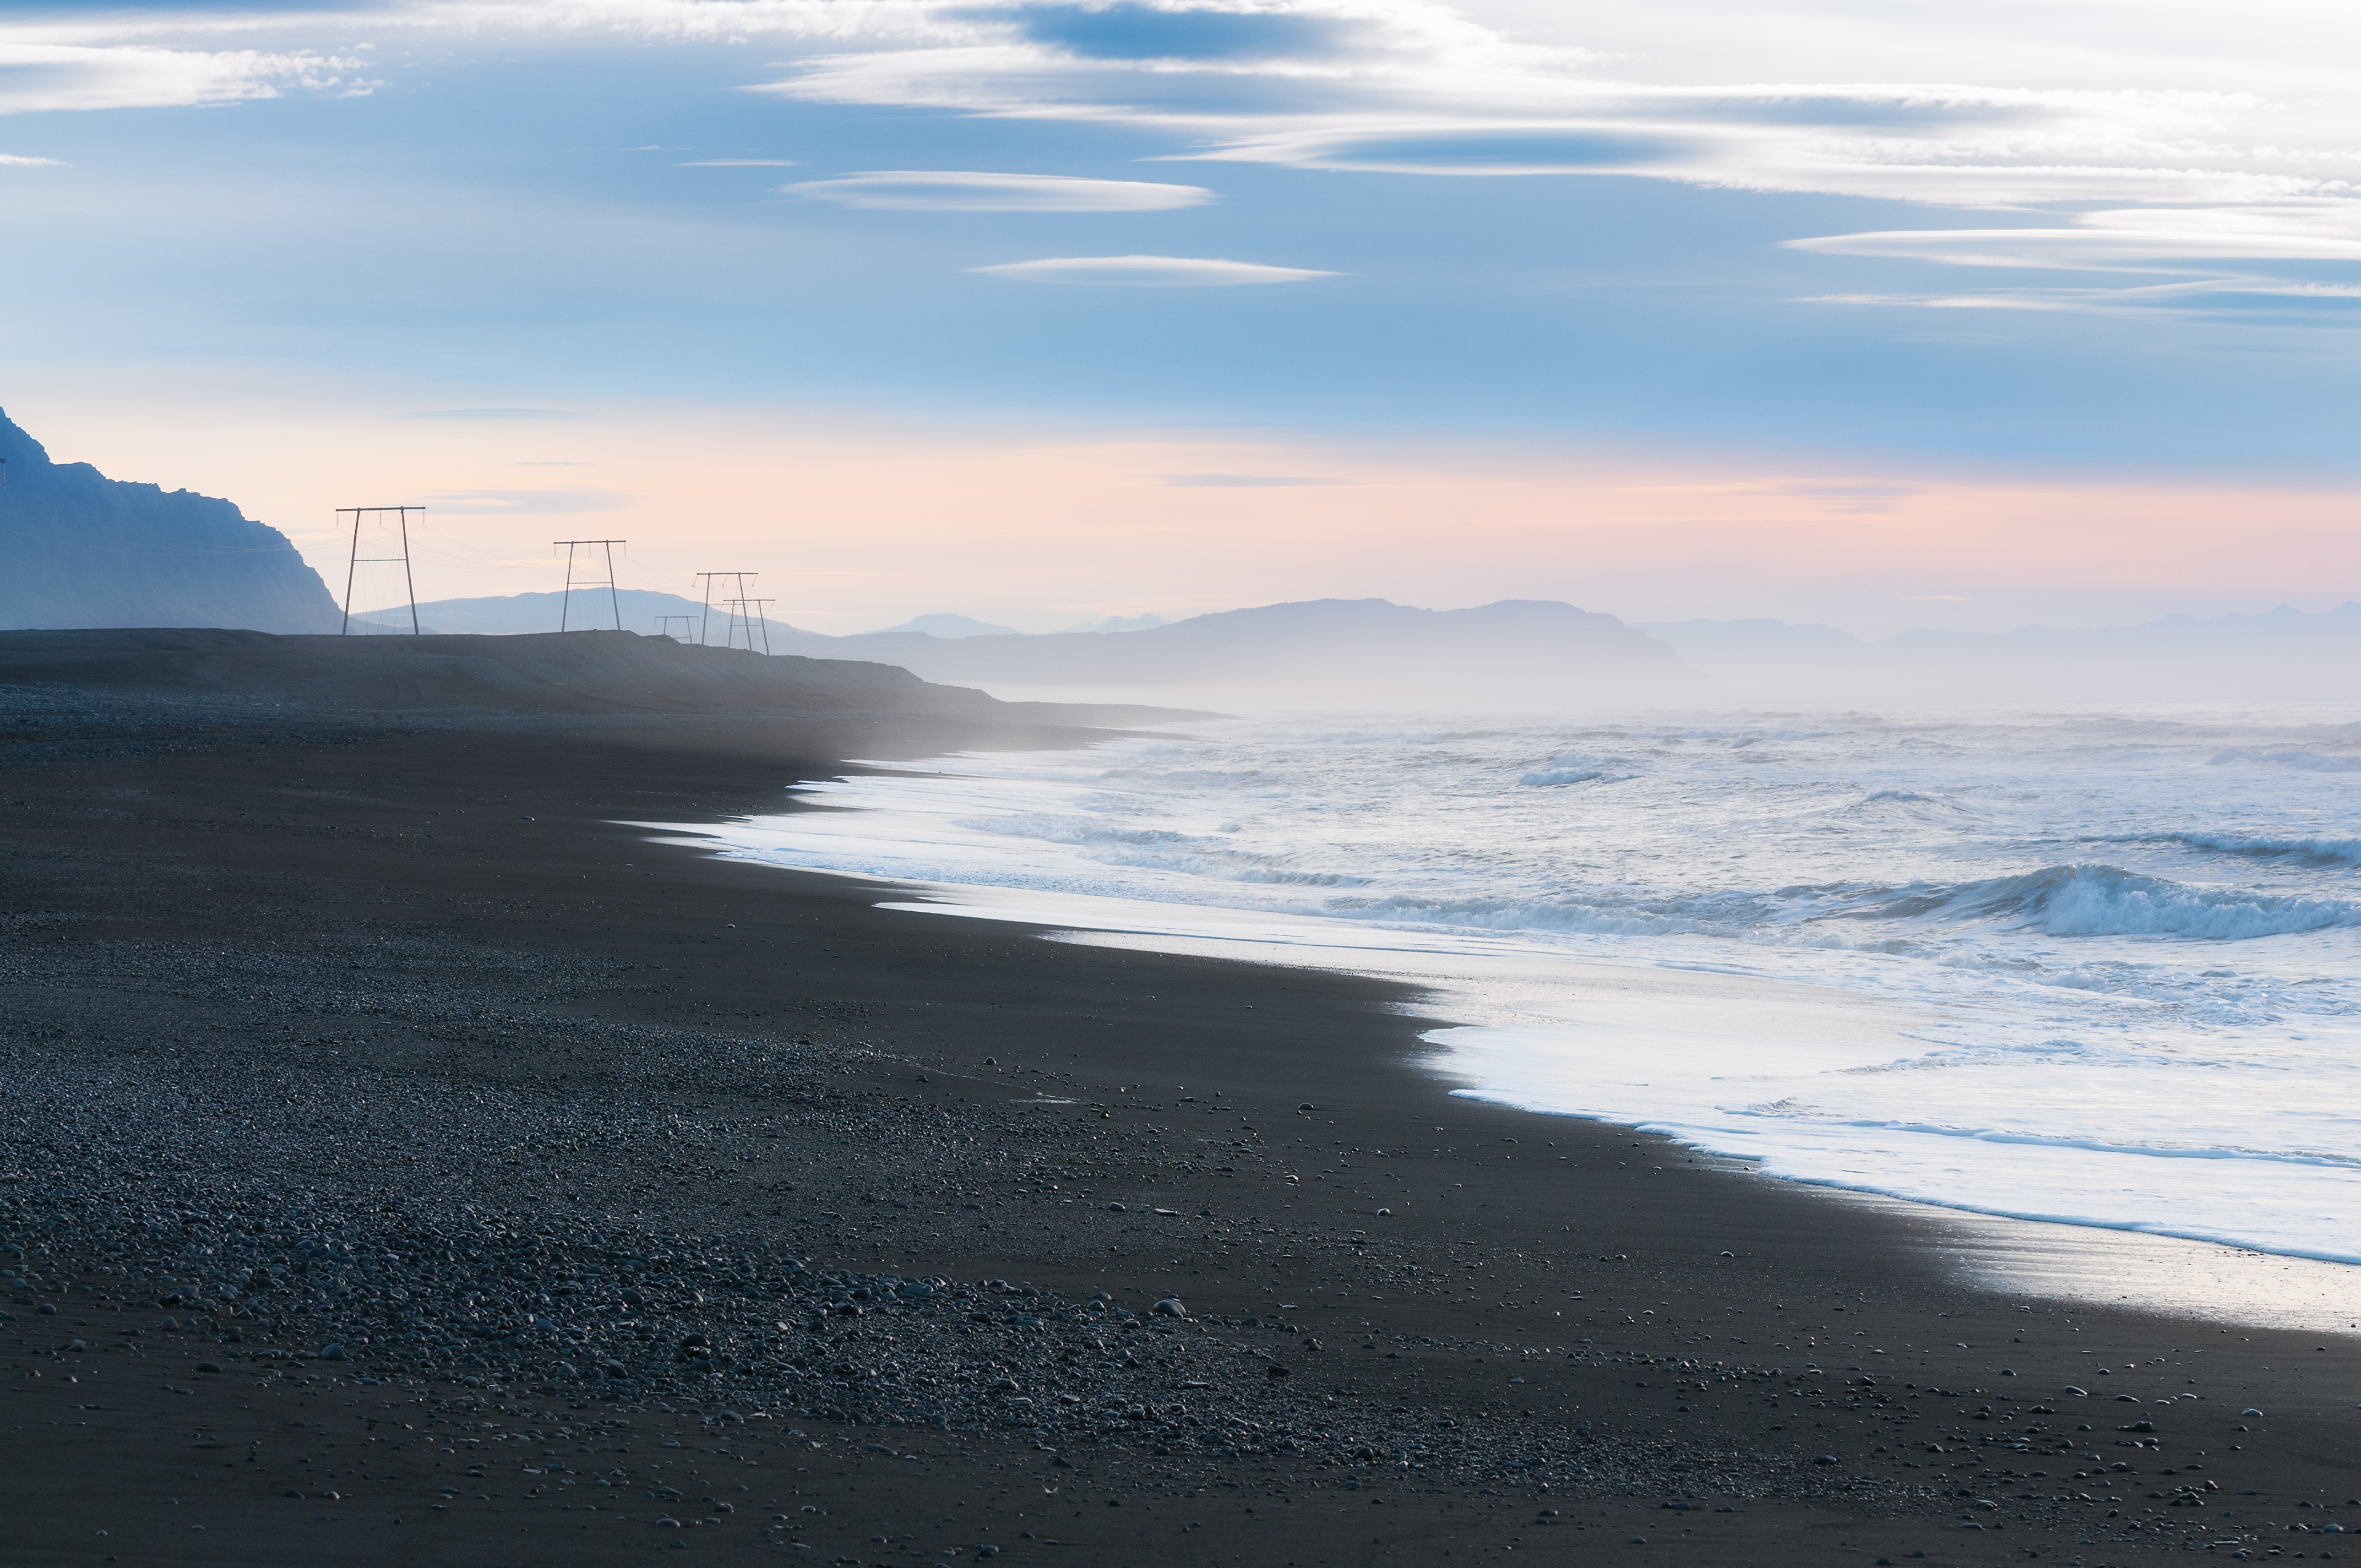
<point>273,975</point>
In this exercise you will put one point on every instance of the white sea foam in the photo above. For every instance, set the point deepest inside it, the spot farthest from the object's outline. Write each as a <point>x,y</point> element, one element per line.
<point>1874,955</point>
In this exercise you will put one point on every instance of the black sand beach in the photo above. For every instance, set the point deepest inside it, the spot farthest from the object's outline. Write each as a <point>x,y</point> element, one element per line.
<point>406,1163</point>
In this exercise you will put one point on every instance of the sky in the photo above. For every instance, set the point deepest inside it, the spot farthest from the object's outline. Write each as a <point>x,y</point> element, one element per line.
<point>1882,316</point>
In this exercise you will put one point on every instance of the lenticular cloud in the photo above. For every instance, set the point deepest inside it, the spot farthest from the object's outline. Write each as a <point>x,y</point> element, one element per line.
<point>1148,271</point>
<point>961,191</point>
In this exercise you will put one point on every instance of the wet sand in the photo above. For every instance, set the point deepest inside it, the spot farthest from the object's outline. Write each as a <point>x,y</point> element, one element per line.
<point>279,976</point>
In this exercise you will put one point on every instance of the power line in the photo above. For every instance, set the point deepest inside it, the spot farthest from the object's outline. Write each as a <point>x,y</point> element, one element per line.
<point>664,620</point>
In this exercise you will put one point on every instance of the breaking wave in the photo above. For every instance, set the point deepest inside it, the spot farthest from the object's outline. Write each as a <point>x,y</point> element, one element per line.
<point>1575,768</point>
<point>2107,901</point>
<point>2314,852</point>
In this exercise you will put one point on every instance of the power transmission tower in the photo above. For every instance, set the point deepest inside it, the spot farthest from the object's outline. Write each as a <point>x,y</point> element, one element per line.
<point>402,521</point>
<point>731,618</point>
<point>664,620</point>
<point>752,619</point>
<point>566,604</point>
<point>705,613</point>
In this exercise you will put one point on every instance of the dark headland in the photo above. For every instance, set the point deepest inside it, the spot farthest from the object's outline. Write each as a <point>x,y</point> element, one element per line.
<point>406,1163</point>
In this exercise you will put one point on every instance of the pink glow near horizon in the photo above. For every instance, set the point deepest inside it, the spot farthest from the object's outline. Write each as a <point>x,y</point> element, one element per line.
<point>858,524</point>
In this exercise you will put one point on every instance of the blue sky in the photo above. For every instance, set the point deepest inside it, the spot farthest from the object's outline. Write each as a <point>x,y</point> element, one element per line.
<point>2075,243</point>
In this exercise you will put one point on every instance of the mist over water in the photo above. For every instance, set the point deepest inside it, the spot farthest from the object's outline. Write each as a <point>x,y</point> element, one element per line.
<point>2098,968</point>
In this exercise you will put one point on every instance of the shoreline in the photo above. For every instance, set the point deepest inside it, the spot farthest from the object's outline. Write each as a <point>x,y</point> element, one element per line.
<point>1982,1061</point>
<point>1450,973</point>
<point>598,985</point>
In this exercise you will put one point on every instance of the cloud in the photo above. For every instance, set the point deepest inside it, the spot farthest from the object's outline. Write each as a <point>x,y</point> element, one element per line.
<point>2119,240</point>
<point>493,413</point>
<point>1148,271</point>
<point>1414,87</point>
<point>12,160</point>
<point>527,503</point>
<point>1235,481</point>
<point>40,77</point>
<point>2250,155</point>
<point>953,191</point>
<point>2249,296</point>
<point>1963,339</point>
<point>1475,150</point>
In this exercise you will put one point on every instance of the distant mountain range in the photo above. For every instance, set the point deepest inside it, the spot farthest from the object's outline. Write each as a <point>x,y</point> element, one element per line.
<point>1517,654</point>
<point>947,626</point>
<point>590,609</point>
<point>645,610</point>
<point>83,550</point>
<point>1524,654</point>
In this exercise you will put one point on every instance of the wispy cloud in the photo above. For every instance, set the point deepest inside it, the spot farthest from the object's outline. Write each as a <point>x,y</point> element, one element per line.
<point>2119,239</point>
<point>955,190</point>
<point>493,413</point>
<point>1829,496</point>
<point>12,160</point>
<point>527,503</point>
<point>1148,271</point>
<point>2262,164</point>
<point>2195,296</point>
<point>1236,481</point>
<point>1413,87</point>
<point>40,77</point>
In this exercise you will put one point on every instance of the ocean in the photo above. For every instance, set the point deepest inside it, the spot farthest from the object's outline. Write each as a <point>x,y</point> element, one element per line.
<point>2090,968</point>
